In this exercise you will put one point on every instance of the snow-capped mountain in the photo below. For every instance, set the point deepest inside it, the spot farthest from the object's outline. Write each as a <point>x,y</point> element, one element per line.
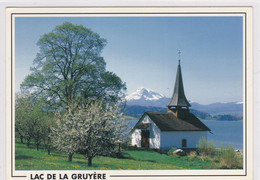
<point>146,97</point>
<point>144,93</point>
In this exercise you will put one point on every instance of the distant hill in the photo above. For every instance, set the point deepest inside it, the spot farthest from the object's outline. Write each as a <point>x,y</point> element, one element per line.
<point>227,117</point>
<point>137,111</point>
<point>149,98</point>
<point>234,108</point>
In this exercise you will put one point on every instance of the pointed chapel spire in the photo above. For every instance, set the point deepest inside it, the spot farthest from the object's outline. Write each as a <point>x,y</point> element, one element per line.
<point>178,98</point>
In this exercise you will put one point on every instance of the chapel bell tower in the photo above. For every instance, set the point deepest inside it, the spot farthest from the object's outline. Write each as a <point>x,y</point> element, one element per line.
<point>178,104</point>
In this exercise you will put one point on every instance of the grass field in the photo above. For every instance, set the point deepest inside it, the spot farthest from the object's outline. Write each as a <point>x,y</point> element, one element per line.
<point>31,159</point>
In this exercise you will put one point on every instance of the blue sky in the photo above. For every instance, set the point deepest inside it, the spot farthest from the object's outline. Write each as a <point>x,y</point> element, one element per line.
<point>143,51</point>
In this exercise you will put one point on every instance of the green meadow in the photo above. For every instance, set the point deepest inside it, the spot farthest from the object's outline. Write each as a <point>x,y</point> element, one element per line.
<point>31,159</point>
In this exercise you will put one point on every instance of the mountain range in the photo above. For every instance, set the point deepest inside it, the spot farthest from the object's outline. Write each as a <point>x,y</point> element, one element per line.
<point>147,97</point>
<point>144,99</point>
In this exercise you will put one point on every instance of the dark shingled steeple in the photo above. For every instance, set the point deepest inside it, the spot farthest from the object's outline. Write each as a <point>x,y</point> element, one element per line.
<point>178,98</point>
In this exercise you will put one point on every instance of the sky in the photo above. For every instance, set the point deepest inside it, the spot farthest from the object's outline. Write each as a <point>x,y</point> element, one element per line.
<point>143,52</point>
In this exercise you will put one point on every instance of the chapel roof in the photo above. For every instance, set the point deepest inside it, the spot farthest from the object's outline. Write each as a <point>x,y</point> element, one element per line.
<point>169,122</point>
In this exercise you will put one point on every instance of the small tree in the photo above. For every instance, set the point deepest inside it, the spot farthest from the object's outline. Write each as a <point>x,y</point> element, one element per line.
<point>23,124</point>
<point>229,158</point>
<point>90,130</point>
<point>205,147</point>
<point>48,124</point>
<point>37,122</point>
<point>20,116</point>
<point>63,136</point>
<point>31,117</point>
<point>47,141</point>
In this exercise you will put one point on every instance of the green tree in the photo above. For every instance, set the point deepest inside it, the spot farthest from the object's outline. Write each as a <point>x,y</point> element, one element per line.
<point>40,122</point>
<point>21,115</point>
<point>90,130</point>
<point>24,121</point>
<point>69,68</point>
<point>31,118</point>
<point>49,123</point>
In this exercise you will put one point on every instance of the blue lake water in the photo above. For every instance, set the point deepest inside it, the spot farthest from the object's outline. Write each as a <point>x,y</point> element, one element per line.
<point>224,132</point>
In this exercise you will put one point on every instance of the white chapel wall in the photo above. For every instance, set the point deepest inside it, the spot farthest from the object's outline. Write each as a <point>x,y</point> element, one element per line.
<point>174,138</point>
<point>136,138</point>
<point>154,140</point>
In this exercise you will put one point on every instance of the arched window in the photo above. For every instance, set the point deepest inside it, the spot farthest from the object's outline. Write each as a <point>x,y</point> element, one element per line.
<point>184,143</point>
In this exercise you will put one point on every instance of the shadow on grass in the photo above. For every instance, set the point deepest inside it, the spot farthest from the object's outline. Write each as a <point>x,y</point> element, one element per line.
<point>59,155</point>
<point>85,163</point>
<point>96,165</point>
<point>23,157</point>
<point>125,155</point>
<point>107,165</point>
<point>122,155</point>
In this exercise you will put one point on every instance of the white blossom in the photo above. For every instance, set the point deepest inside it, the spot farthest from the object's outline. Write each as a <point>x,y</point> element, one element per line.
<point>90,130</point>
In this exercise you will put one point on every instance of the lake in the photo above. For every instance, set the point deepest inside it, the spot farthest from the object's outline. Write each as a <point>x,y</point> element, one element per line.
<point>224,132</point>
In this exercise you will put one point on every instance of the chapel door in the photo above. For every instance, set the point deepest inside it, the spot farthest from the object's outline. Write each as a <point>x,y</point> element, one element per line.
<point>145,138</point>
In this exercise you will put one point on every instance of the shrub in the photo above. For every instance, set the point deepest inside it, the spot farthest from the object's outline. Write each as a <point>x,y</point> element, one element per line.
<point>205,147</point>
<point>172,150</point>
<point>192,155</point>
<point>229,158</point>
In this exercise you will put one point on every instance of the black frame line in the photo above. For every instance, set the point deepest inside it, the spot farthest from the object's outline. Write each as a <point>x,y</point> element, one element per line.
<point>166,13</point>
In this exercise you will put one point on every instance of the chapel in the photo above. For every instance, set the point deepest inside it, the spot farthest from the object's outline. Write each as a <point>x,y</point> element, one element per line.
<point>177,127</point>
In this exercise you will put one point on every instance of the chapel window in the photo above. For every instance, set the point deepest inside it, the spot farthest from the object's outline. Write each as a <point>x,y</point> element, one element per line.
<point>184,143</point>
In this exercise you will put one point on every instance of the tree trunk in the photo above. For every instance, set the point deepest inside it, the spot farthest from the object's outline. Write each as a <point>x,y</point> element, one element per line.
<point>89,161</point>
<point>70,157</point>
<point>37,146</point>
<point>28,143</point>
<point>21,138</point>
<point>49,152</point>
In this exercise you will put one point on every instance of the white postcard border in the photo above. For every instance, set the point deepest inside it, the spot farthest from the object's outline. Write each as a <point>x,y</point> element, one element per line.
<point>118,11</point>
